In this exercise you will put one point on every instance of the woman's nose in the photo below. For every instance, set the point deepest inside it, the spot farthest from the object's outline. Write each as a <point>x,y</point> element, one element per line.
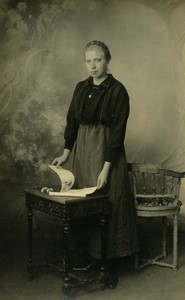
<point>93,65</point>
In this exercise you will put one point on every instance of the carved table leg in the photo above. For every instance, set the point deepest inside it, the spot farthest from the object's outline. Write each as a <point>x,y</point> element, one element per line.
<point>66,288</point>
<point>30,218</point>
<point>103,276</point>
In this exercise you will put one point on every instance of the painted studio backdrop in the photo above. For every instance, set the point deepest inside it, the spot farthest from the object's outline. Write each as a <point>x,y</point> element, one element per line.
<point>41,60</point>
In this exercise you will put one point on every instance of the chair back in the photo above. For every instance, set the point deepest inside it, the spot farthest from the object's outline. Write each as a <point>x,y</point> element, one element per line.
<point>154,186</point>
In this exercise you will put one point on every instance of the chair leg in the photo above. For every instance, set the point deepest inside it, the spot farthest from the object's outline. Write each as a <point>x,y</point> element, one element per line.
<point>157,260</point>
<point>175,240</point>
<point>164,226</point>
<point>136,259</point>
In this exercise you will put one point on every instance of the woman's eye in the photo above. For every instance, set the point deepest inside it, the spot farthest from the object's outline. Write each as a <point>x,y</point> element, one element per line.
<point>97,60</point>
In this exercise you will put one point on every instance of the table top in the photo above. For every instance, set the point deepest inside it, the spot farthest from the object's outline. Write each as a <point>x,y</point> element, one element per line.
<point>98,195</point>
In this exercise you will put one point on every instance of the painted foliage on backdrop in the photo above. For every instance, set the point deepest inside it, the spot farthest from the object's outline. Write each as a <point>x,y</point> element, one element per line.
<point>40,64</point>
<point>31,123</point>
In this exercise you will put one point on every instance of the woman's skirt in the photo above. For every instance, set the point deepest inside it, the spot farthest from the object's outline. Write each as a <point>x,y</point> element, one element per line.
<point>88,160</point>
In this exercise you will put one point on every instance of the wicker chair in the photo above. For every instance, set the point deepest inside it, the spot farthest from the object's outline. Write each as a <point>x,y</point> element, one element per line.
<point>156,193</point>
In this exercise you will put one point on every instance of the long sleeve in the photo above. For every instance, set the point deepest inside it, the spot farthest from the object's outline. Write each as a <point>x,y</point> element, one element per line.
<point>72,126</point>
<point>118,126</point>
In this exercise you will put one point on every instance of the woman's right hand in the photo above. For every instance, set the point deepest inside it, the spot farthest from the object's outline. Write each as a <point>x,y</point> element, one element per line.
<point>59,161</point>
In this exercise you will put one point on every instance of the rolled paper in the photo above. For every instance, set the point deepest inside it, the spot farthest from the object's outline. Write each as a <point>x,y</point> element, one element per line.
<point>66,177</point>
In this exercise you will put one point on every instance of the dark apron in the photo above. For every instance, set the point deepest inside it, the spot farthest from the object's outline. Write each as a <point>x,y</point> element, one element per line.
<point>88,160</point>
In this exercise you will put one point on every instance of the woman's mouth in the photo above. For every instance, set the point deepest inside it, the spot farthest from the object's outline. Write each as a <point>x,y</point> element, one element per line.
<point>93,72</point>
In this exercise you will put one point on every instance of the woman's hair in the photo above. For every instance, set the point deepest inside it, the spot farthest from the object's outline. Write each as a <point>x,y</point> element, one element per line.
<point>100,45</point>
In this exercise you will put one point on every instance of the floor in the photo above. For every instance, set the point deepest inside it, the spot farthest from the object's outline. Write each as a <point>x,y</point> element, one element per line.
<point>151,283</point>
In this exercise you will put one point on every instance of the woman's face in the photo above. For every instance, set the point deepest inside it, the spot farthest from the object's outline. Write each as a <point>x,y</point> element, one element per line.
<point>96,63</point>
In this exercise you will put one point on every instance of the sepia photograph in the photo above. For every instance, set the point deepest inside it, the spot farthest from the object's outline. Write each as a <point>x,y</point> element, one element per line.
<point>92,149</point>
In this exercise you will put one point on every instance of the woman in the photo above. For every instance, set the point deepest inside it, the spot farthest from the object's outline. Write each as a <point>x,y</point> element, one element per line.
<point>95,130</point>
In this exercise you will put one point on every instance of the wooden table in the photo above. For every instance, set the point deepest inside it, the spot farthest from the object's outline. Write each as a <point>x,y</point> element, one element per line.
<point>68,209</point>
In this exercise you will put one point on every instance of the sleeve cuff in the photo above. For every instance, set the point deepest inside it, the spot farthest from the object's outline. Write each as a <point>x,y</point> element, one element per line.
<point>69,145</point>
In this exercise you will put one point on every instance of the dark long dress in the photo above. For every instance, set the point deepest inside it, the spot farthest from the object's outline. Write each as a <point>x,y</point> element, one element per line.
<point>95,131</point>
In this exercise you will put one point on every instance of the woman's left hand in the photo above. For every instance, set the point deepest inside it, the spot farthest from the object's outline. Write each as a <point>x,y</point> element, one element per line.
<point>103,176</point>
